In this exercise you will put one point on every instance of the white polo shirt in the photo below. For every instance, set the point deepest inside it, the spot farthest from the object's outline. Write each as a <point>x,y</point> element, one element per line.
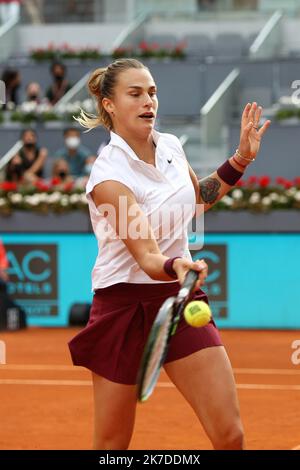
<point>165,194</point>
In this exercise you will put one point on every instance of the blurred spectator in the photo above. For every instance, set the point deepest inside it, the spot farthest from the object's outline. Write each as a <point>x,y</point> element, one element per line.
<point>206,4</point>
<point>89,165</point>
<point>60,84</point>
<point>9,9</point>
<point>245,4</point>
<point>61,173</point>
<point>81,182</point>
<point>12,80</point>
<point>74,153</point>
<point>3,268</point>
<point>33,92</point>
<point>28,164</point>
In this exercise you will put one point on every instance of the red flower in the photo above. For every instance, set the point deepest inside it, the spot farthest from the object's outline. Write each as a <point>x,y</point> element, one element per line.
<point>182,44</point>
<point>8,186</point>
<point>68,186</point>
<point>280,180</point>
<point>264,181</point>
<point>41,186</point>
<point>288,184</point>
<point>297,181</point>
<point>55,181</point>
<point>252,180</point>
<point>240,183</point>
<point>143,45</point>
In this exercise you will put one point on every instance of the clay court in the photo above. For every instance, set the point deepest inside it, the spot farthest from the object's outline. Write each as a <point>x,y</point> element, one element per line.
<point>46,403</point>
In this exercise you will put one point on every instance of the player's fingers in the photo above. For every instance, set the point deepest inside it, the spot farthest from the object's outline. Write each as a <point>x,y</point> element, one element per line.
<point>252,112</point>
<point>263,129</point>
<point>203,276</point>
<point>246,112</point>
<point>257,117</point>
<point>201,265</point>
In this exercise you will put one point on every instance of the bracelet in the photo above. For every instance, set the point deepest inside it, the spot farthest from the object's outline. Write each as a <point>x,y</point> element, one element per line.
<point>238,163</point>
<point>229,174</point>
<point>168,267</point>
<point>244,158</point>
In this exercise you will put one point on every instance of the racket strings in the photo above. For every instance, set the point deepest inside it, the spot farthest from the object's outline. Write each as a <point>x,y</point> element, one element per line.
<point>156,356</point>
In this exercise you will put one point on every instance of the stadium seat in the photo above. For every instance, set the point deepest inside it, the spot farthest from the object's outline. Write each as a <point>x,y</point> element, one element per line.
<point>198,45</point>
<point>229,46</point>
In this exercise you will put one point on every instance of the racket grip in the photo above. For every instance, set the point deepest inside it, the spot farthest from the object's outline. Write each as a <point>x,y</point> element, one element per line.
<point>189,283</point>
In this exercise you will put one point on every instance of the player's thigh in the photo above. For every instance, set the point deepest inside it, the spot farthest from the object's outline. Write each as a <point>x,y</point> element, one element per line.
<point>205,379</point>
<point>115,406</point>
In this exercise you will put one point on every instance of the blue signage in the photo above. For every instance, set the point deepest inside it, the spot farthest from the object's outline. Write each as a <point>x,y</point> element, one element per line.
<point>253,278</point>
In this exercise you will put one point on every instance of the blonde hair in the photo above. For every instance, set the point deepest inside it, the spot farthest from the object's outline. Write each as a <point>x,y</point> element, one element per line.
<point>101,85</point>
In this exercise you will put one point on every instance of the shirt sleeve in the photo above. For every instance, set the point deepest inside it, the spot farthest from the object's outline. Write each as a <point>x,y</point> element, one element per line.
<point>112,166</point>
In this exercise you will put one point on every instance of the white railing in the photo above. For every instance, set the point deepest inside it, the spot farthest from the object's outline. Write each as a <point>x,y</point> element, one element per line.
<point>216,108</point>
<point>132,34</point>
<point>8,37</point>
<point>10,154</point>
<point>183,139</point>
<point>267,43</point>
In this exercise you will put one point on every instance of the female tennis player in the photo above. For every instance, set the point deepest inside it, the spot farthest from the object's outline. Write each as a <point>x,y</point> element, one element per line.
<point>138,179</point>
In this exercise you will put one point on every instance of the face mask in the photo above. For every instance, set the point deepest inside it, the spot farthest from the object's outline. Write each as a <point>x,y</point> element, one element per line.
<point>62,174</point>
<point>29,145</point>
<point>88,168</point>
<point>72,142</point>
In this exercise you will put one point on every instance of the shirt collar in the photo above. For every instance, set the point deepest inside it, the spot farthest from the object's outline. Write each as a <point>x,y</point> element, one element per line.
<point>118,141</point>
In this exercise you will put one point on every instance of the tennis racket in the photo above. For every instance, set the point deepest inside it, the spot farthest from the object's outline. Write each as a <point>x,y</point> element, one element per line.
<point>163,328</point>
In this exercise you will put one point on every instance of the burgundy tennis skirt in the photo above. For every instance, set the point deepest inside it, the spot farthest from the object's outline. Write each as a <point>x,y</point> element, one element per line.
<point>121,316</point>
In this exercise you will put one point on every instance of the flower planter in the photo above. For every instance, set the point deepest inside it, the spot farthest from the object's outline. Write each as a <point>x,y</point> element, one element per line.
<point>29,222</point>
<point>280,221</point>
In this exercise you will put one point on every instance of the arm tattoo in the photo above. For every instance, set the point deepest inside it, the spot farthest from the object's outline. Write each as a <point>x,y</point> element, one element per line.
<point>209,189</point>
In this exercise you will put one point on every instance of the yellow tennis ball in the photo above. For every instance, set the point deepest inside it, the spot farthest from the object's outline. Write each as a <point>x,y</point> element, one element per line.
<point>197,313</point>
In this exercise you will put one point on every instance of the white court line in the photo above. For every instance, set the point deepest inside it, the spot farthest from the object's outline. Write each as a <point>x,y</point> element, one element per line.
<point>54,367</point>
<point>267,371</point>
<point>268,387</point>
<point>40,367</point>
<point>159,385</point>
<point>45,382</point>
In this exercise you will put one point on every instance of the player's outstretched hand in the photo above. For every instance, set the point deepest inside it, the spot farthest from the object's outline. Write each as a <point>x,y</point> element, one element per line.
<point>251,131</point>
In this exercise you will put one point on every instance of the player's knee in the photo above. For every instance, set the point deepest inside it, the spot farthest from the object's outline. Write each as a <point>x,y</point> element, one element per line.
<point>232,438</point>
<point>235,438</point>
<point>111,443</point>
<point>111,440</point>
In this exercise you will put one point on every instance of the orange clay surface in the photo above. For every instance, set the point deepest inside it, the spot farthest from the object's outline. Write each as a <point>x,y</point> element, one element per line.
<point>46,403</point>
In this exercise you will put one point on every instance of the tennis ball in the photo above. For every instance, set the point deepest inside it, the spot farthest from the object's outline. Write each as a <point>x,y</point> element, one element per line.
<point>197,313</point>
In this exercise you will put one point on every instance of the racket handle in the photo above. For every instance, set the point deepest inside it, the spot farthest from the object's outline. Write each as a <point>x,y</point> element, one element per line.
<point>189,283</point>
